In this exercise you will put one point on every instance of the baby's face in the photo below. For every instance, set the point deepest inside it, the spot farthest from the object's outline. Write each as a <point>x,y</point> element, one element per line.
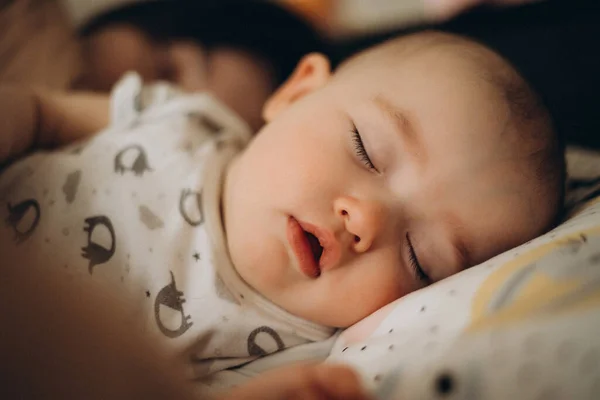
<point>406,172</point>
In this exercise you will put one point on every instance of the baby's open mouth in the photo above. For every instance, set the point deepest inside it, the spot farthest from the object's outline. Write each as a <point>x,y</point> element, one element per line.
<point>315,246</point>
<point>316,249</point>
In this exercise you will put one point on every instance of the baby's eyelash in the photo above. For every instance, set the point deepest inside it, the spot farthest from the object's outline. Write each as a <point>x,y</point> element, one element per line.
<point>414,262</point>
<point>360,150</point>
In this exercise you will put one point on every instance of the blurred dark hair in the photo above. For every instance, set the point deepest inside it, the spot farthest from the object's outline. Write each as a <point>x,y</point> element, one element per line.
<point>259,27</point>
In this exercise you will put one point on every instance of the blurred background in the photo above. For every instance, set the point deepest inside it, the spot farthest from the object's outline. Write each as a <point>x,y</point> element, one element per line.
<point>335,18</point>
<point>88,44</point>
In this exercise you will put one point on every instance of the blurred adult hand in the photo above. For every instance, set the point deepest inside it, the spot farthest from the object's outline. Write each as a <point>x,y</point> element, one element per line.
<point>303,381</point>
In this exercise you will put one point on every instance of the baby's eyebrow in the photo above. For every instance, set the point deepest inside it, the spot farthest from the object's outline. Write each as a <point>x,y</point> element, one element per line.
<point>404,126</point>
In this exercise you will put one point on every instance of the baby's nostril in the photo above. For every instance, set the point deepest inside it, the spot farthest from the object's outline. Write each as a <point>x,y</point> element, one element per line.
<point>356,239</point>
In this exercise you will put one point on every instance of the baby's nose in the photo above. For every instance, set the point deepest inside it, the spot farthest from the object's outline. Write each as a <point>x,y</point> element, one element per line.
<point>363,219</point>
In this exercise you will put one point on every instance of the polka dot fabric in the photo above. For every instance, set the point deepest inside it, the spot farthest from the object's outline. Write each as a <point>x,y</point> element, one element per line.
<point>522,325</point>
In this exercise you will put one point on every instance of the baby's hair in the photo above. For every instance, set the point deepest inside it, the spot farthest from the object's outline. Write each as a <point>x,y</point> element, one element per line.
<point>530,120</point>
<point>544,146</point>
<point>530,123</point>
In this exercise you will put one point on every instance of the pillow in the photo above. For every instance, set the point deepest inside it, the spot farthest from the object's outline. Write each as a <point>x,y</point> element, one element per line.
<point>523,324</point>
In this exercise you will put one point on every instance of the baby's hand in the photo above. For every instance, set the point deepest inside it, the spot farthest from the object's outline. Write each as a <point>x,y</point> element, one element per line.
<point>31,118</point>
<point>304,381</point>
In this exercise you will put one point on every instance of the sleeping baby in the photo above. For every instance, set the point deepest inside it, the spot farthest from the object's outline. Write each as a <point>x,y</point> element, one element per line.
<point>410,162</point>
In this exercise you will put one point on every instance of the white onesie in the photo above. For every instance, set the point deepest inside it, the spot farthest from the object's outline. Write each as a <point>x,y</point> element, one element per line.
<point>137,207</point>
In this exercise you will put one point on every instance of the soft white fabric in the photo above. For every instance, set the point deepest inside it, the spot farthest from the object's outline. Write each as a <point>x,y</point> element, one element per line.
<point>137,208</point>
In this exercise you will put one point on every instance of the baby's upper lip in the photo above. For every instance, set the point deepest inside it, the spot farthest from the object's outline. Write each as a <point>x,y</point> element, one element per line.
<point>331,246</point>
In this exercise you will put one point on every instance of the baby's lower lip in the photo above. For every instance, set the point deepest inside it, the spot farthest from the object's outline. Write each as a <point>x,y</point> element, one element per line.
<point>301,248</point>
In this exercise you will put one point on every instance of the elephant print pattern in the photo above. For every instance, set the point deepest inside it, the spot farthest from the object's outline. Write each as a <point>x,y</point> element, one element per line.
<point>138,166</point>
<point>170,297</point>
<point>17,217</point>
<point>255,350</point>
<point>95,252</point>
<point>191,210</point>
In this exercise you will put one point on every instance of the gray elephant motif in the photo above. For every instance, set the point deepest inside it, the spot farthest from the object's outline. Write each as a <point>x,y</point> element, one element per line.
<point>140,164</point>
<point>16,214</point>
<point>254,349</point>
<point>197,206</point>
<point>94,252</point>
<point>172,298</point>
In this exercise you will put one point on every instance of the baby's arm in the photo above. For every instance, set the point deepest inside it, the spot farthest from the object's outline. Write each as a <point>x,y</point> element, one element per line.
<point>31,118</point>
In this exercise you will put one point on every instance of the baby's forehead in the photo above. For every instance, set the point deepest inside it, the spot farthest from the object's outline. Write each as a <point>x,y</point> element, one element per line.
<point>424,47</point>
<point>438,63</point>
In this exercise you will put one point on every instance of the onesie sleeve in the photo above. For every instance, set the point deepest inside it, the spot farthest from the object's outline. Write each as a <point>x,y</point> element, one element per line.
<point>130,97</point>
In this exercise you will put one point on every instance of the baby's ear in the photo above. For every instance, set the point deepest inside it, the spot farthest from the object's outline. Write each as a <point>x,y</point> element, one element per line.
<point>311,73</point>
